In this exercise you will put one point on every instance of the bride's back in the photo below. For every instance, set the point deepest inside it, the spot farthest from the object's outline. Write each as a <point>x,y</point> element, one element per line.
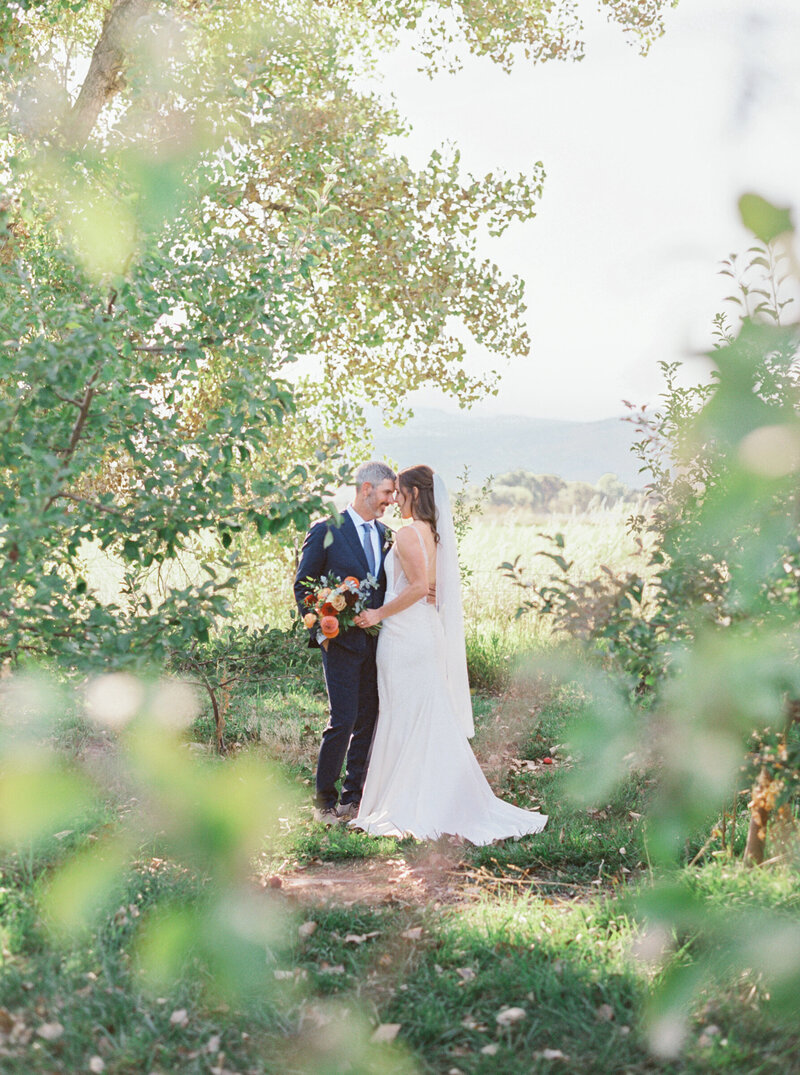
<point>397,577</point>
<point>429,545</point>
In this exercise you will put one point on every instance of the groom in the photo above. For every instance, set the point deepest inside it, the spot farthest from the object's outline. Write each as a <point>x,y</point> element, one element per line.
<point>356,547</point>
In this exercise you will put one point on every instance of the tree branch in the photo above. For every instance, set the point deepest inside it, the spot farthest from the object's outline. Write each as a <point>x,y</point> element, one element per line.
<point>105,75</point>
<point>77,429</point>
<point>83,413</point>
<point>66,399</point>
<point>177,349</point>
<point>94,504</point>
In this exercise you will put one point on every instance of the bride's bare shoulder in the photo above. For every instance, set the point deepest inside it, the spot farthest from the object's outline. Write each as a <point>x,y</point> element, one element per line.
<point>405,535</point>
<point>411,533</point>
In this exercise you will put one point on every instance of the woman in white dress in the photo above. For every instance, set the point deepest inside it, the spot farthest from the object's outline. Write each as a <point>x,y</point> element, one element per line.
<point>423,778</point>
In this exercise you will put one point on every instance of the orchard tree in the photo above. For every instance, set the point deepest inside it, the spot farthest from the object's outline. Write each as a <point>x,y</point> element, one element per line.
<point>197,194</point>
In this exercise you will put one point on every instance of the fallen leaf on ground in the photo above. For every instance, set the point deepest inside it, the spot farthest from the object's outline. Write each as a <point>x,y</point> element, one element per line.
<point>385,1033</point>
<point>605,1013</point>
<point>320,1017</point>
<point>466,974</point>
<point>6,1021</point>
<point>180,1017</point>
<point>307,929</point>
<point>359,938</point>
<point>490,1050</point>
<point>551,1054</point>
<point>97,1065</point>
<point>708,1035</point>
<point>328,968</point>
<point>299,973</point>
<point>509,1016</point>
<point>413,934</point>
<point>50,1031</point>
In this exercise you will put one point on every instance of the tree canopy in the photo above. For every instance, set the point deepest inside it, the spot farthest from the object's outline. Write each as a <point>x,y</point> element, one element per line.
<point>196,195</point>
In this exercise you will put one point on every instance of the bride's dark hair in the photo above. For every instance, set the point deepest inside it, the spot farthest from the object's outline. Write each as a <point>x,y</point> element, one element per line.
<point>418,483</point>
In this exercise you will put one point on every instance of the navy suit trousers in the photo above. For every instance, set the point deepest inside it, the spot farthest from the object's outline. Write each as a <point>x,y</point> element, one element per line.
<point>352,681</point>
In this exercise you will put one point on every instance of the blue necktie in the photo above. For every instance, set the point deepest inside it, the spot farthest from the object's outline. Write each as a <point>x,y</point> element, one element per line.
<point>366,541</point>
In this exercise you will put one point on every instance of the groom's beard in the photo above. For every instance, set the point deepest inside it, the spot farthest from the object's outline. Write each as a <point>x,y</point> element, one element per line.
<point>379,509</point>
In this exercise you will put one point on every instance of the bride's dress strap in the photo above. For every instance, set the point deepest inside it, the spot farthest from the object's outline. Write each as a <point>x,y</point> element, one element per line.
<point>422,543</point>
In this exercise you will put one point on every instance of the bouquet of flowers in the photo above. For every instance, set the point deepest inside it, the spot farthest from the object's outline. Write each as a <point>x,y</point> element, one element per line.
<point>334,603</point>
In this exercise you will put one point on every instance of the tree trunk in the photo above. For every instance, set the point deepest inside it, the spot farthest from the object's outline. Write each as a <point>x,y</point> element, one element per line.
<point>761,802</point>
<point>759,817</point>
<point>105,75</point>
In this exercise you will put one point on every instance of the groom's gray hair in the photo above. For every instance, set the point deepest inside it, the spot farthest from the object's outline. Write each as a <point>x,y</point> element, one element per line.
<point>373,472</point>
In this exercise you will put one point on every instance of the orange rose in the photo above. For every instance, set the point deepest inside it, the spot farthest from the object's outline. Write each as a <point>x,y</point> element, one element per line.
<point>328,610</point>
<point>329,626</point>
<point>309,619</point>
<point>338,601</point>
<point>323,593</point>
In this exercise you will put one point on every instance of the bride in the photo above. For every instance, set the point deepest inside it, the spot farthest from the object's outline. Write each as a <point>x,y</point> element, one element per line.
<point>423,778</point>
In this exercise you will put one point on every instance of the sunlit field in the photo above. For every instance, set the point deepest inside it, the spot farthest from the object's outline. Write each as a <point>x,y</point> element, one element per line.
<point>264,595</point>
<point>592,540</point>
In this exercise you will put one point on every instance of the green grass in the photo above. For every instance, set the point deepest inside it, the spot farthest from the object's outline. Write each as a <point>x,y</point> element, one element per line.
<point>543,924</point>
<point>566,963</point>
<point>538,928</point>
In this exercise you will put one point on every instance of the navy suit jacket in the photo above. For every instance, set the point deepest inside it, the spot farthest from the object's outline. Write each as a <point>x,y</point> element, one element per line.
<point>344,556</point>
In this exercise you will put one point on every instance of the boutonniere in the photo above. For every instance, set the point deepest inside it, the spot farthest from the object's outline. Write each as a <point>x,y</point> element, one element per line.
<point>388,539</point>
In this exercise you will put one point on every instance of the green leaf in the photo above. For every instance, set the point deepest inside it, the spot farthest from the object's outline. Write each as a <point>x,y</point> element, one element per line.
<point>763,219</point>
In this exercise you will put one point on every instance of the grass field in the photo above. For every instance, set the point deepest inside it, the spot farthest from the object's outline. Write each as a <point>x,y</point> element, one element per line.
<point>591,541</point>
<point>534,925</point>
<point>264,595</point>
<point>399,957</point>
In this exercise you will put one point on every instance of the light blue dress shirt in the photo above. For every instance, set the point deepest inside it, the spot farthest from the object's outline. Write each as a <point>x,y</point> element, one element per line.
<point>376,537</point>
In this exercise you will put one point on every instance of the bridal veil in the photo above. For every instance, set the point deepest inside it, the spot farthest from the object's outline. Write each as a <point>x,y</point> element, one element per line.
<point>450,608</point>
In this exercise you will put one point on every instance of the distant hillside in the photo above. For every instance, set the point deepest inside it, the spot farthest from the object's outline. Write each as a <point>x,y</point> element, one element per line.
<point>581,451</point>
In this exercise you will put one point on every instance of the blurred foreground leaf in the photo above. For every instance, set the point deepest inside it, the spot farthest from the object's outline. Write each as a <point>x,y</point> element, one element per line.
<point>765,220</point>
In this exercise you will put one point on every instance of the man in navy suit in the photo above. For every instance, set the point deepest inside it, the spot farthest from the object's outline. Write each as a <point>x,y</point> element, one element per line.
<point>356,547</point>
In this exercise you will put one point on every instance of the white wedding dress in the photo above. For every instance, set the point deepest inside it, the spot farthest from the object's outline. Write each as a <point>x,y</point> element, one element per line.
<point>423,779</point>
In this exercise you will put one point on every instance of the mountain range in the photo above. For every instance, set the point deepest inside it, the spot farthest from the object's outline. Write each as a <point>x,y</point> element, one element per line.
<point>575,451</point>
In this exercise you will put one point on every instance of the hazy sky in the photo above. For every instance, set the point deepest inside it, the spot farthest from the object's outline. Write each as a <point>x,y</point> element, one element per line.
<point>645,160</point>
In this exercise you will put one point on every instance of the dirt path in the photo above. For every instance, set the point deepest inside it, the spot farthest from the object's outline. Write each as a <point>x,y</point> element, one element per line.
<point>432,879</point>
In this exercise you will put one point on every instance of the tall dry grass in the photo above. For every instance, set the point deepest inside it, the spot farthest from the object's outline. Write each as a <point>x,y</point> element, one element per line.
<point>496,639</point>
<point>592,540</point>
